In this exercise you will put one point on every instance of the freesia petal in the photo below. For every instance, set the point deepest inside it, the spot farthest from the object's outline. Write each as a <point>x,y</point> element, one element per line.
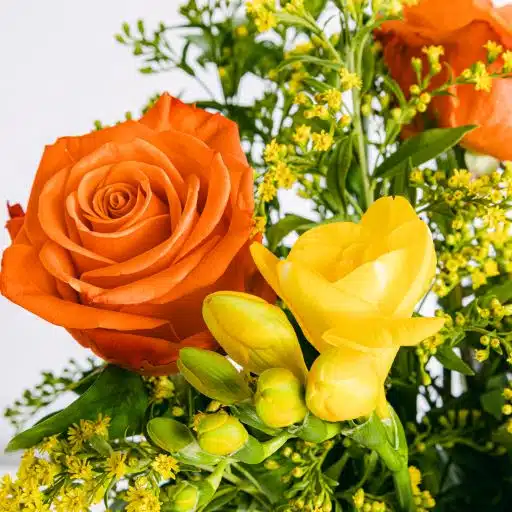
<point>315,302</point>
<point>267,263</point>
<point>387,214</point>
<point>322,247</point>
<point>372,333</point>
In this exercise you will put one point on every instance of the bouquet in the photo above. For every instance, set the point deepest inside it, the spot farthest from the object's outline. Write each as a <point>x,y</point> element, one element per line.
<point>352,355</point>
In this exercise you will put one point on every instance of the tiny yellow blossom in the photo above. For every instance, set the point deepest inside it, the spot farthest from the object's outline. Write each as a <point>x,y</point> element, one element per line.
<point>350,80</point>
<point>493,50</point>
<point>481,355</point>
<point>302,135</point>
<point>140,498</point>
<point>317,111</point>
<point>116,465</point>
<point>79,469</point>
<point>433,53</point>
<point>481,78</point>
<point>490,268</point>
<point>80,434</point>
<point>332,97</point>
<point>162,389</point>
<point>478,278</point>
<point>358,498</point>
<point>242,31</point>
<point>259,227</point>
<point>166,466</point>
<point>73,499</point>
<point>267,189</point>
<point>301,98</point>
<point>507,61</point>
<point>345,120</point>
<point>274,151</point>
<point>322,141</point>
<point>283,175</point>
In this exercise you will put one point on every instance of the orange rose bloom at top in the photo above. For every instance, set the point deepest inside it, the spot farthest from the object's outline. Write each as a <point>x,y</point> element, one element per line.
<point>129,228</point>
<point>462,27</point>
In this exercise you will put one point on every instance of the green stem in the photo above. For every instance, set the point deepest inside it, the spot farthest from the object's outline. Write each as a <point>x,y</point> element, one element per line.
<point>361,144</point>
<point>404,490</point>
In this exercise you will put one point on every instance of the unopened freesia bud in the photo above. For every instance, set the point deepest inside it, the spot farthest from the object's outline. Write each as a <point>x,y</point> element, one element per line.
<point>279,398</point>
<point>185,498</point>
<point>254,333</point>
<point>221,434</point>
<point>343,384</point>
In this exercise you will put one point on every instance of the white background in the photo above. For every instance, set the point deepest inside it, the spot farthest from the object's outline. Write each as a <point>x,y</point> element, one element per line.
<point>60,69</point>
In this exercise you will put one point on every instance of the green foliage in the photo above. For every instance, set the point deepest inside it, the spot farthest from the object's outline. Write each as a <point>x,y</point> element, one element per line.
<point>116,393</point>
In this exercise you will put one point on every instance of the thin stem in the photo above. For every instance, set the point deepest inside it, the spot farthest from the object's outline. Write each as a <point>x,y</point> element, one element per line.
<point>361,144</point>
<point>404,490</point>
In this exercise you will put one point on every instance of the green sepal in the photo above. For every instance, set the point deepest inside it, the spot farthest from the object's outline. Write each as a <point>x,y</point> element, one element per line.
<point>315,430</point>
<point>246,413</point>
<point>213,375</point>
<point>255,452</point>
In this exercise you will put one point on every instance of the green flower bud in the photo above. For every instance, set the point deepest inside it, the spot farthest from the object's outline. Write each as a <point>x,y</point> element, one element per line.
<point>221,434</point>
<point>185,498</point>
<point>279,398</point>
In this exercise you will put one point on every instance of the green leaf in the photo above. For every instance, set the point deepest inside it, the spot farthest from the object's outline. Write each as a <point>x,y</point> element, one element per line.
<point>283,227</point>
<point>117,393</point>
<point>338,171</point>
<point>368,68</point>
<point>315,7</point>
<point>223,497</point>
<point>247,414</point>
<point>213,375</point>
<point>503,292</point>
<point>309,59</point>
<point>492,402</point>
<point>169,434</point>
<point>421,148</point>
<point>450,360</point>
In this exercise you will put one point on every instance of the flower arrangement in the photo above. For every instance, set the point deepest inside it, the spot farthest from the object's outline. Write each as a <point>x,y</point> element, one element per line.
<point>356,357</point>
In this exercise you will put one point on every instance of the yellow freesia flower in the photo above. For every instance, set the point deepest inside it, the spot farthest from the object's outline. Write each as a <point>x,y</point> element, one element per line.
<point>255,334</point>
<point>355,286</point>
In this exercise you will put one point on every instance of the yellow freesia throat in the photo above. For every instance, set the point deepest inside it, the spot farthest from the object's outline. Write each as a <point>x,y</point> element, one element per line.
<point>353,289</point>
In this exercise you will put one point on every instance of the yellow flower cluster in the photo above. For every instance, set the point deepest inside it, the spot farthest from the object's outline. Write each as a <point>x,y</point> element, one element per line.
<point>422,499</point>
<point>349,80</point>
<point>263,14</point>
<point>365,504</point>
<point>141,497</point>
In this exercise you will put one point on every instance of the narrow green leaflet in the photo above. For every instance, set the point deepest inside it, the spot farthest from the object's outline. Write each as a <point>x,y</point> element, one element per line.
<point>450,360</point>
<point>213,375</point>
<point>338,171</point>
<point>116,393</point>
<point>421,148</point>
<point>285,226</point>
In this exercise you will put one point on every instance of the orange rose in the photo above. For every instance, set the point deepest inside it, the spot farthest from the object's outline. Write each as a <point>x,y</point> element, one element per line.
<point>462,27</point>
<point>129,228</point>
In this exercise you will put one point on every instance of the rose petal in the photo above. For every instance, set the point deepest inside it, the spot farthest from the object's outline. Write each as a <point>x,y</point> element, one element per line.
<point>24,281</point>
<point>154,286</point>
<point>218,132</point>
<point>216,200</point>
<point>144,354</point>
<point>154,260</point>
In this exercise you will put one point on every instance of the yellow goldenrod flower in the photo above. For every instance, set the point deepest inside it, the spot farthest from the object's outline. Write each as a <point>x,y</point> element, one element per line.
<point>302,134</point>
<point>274,152</point>
<point>79,469</point>
<point>242,31</point>
<point>260,222</point>
<point>350,80</point>
<point>49,445</point>
<point>358,498</point>
<point>332,97</point>
<point>141,498</point>
<point>481,78</point>
<point>80,434</point>
<point>260,338</point>
<point>415,476</point>
<point>345,120</point>
<point>166,466</point>
<point>320,111</point>
<point>301,98</point>
<point>295,6</point>
<point>116,465</point>
<point>162,388</point>
<point>507,61</point>
<point>267,189</point>
<point>73,499</point>
<point>482,355</point>
<point>493,50</point>
<point>303,48</point>
<point>433,53</point>
<point>355,286</point>
<point>283,175</point>
<point>322,141</point>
